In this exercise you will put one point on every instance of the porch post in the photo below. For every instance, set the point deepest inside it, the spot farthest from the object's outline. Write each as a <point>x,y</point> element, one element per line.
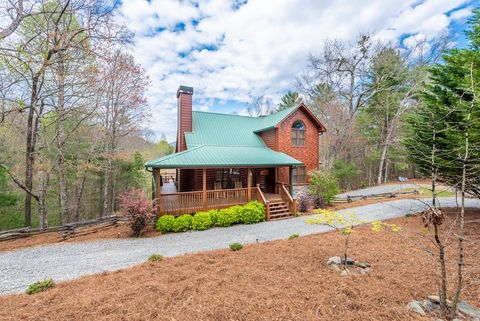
<point>291,181</point>
<point>249,185</point>
<point>204,189</point>
<point>159,185</point>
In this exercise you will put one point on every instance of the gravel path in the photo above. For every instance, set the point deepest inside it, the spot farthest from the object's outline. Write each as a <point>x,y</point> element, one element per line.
<point>378,189</point>
<point>68,261</point>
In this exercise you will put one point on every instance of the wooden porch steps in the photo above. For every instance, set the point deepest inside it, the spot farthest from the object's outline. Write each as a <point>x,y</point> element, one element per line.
<point>279,210</point>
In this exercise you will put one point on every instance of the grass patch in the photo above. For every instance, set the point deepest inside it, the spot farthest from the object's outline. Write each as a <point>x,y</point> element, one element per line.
<point>236,246</point>
<point>155,258</point>
<point>293,236</point>
<point>40,286</point>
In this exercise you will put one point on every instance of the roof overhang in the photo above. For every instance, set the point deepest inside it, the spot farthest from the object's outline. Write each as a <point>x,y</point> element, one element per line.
<point>224,157</point>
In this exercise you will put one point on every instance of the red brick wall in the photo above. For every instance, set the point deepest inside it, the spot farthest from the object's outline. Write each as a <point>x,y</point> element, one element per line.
<point>307,154</point>
<point>269,137</point>
<point>184,119</point>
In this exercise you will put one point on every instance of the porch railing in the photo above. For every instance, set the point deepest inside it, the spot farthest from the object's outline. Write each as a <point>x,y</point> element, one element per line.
<point>191,202</point>
<point>288,199</point>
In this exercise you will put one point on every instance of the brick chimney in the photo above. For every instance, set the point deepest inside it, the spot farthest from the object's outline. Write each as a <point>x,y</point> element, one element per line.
<point>184,115</point>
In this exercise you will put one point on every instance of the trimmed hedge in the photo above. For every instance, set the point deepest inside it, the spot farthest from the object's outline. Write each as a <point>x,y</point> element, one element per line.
<point>228,216</point>
<point>165,223</point>
<point>182,223</point>
<point>250,213</point>
<point>201,221</point>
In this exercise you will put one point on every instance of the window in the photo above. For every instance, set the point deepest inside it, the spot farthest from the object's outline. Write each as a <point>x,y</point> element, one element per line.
<point>299,175</point>
<point>298,133</point>
<point>227,178</point>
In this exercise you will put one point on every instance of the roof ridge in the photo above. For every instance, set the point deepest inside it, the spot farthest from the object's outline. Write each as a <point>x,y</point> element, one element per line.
<point>223,114</point>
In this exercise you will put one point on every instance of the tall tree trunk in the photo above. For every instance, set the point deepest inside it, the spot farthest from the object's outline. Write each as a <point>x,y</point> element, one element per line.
<point>461,232</point>
<point>106,187</point>
<point>43,178</point>
<point>60,108</point>
<point>30,150</point>
<point>79,193</point>
<point>438,241</point>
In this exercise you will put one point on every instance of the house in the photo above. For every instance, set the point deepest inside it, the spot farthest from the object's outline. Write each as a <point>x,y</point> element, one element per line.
<point>223,160</point>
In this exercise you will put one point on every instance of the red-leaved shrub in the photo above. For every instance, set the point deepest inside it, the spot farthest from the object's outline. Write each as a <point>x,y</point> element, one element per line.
<point>138,208</point>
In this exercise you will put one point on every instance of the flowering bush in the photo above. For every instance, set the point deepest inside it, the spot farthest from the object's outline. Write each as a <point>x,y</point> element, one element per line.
<point>345,223</point>
<point>136,206</point>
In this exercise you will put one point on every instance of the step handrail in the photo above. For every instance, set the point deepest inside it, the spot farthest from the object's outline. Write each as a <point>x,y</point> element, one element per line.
<point>262,199</point>
<point>286,197</point>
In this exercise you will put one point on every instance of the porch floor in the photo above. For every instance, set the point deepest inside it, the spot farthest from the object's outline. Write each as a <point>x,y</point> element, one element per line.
<point>168,187</point>
<point>272,197</point>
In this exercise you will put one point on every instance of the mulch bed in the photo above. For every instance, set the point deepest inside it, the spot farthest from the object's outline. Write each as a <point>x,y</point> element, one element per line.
<point>280,280</point>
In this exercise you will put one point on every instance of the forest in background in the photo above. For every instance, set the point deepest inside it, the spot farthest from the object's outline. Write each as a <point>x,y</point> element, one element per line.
<point>72,100</point>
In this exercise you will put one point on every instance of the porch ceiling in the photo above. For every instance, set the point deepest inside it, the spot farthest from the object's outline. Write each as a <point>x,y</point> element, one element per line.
<point>224,156</point>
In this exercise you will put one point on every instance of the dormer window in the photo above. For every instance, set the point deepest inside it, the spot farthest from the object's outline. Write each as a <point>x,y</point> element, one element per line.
<point>298,133</point>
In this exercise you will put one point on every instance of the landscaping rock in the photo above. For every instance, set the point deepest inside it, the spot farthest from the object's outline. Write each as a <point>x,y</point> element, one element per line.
<point>362,265</point>
<point>415,306</point>
<point>335,267</point>
<point>349,261</point>
<point>468,309</point>
<point>334,260</point>
<point>430,305</point>
<point>365,270</point>
<point>436,299</point>
<point>345,273</point>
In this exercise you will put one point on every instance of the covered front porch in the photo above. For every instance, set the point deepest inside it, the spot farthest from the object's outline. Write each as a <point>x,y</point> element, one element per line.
<point>214,177</point>
<point>231,186</point>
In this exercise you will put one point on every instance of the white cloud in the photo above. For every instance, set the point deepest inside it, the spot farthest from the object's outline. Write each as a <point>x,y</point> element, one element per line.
<point>260,46</point>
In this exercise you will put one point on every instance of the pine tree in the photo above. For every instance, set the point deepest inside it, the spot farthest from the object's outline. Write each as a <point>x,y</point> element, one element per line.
<point>288,100</point>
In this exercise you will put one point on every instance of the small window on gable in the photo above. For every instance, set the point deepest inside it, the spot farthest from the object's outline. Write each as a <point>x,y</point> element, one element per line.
<point>298,133</point>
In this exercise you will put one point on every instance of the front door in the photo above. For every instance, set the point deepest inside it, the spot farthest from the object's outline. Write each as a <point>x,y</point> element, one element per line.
<point>266,178</point>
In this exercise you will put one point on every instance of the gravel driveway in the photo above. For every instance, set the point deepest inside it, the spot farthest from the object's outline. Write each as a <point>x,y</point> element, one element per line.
<point>378,189</point>
<point>69,261</point>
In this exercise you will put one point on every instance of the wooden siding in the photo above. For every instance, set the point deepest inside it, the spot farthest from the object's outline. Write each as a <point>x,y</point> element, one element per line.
<point>269,138</point>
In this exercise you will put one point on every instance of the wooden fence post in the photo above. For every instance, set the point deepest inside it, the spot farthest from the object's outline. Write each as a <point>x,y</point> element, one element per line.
<point>249,185</point>
<point>204,189</point>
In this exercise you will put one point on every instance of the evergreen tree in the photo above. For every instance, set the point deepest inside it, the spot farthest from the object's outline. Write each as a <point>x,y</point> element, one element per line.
<point>288,100</point>
<point>449,109</point>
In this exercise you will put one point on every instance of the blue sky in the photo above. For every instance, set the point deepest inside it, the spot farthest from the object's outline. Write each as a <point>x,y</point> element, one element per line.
<point>230,51</point>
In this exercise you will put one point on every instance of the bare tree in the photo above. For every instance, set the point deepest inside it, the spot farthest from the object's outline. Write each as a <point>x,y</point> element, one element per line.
<point>122,108</point>
<point>260,106</point>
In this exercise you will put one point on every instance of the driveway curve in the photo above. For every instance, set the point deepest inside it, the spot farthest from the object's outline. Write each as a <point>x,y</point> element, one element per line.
<point>62,262</point>
<point>388,188</point>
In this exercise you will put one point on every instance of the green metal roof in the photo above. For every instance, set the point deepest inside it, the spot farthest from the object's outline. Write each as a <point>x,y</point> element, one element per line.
<point>230,130</point>
<point>225,140</point>
<point>224,156</point>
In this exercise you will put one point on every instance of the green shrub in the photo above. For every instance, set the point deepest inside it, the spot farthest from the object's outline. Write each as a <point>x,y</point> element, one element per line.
<point>236,246</point>
<point>40,286</point>
<point>293,236</point>
<point>155,258</point>
<point>213,216</point>
<point>325,185</point>
<point>201,221</point>
<point>252,212</point>
<point>183,223</point>
<point>165,223</point>
<point>227,216</point>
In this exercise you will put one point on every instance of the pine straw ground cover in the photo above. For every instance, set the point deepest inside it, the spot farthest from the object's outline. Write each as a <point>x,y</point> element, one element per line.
<point>280,280</point>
